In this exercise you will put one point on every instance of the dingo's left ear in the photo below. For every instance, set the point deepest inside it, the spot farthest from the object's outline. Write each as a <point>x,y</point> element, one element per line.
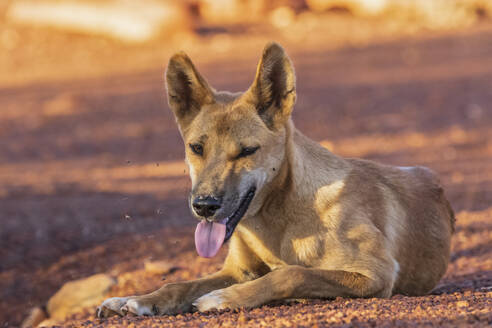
<point>274,89</point>
<point>187,90</point>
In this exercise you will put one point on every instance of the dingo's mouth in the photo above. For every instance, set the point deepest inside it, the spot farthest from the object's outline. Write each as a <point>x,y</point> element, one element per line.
<point>234,219</point>
<point>210,236</point>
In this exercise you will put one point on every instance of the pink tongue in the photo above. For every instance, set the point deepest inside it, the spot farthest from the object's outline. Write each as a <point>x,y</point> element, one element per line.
<point>209,237</point>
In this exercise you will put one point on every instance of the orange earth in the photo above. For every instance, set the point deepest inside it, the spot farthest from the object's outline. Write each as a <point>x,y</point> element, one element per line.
<point>92,178</point>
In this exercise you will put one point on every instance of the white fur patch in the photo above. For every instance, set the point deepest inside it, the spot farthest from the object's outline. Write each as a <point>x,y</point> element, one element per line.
<point>406,168</point>
<point>133,307</point>
<point>306,248</point>
<point>390,230</point>
<point>397,268</point>
<point>212,300</point>
<point>331,190</point>
<point>327,193</point>
<point>192,172</point>
<point>114,304</point>
<point>256,178</point>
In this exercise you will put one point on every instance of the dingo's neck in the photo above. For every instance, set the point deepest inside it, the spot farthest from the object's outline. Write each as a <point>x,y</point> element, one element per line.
<point>306,168</point>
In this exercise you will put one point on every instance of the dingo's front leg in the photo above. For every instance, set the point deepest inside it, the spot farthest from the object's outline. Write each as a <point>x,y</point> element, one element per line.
<point>169,299</point>
<point>240,266</point>
<point>292,282</point>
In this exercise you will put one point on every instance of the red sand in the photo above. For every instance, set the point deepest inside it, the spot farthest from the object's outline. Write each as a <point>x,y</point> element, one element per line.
<point>90,178</point>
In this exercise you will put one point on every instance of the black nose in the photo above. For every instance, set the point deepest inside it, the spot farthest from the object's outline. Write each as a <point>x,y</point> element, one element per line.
<point>206,206</point>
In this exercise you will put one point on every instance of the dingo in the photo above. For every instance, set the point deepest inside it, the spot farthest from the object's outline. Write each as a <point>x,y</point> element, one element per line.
<point>302,222</point>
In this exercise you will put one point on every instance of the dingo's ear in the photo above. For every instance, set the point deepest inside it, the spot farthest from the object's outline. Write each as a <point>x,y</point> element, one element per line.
<point>274,89</point>
<point>187,90</point>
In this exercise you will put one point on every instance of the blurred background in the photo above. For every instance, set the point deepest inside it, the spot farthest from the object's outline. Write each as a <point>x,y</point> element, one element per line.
<point>90,156</point>
<point>67,39</point>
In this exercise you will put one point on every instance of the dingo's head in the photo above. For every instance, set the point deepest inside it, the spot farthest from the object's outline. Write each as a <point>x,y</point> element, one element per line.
<point>235,143</point>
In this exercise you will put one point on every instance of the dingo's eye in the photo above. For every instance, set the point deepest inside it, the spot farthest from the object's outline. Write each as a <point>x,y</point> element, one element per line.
<point>197,149</point>
<point>246,151</point>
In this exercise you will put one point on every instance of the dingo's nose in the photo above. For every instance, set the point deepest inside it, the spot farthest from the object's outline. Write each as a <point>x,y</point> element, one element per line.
<point>206,206</point>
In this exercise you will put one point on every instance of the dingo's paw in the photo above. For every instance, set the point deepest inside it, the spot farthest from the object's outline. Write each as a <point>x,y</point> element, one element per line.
<point>147,305</point>
<point>126,306</point>
<point>110,307</point>
<point>213,300</point>
<point>139,307</point>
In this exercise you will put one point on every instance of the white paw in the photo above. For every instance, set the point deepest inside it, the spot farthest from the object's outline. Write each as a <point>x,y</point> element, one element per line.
<point>212,300</point>
<point>111,306</point>
<point>122,306</point>
<point>132,306</point>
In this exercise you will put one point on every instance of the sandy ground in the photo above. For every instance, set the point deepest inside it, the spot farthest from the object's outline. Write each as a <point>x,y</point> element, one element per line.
<point>92,179</point>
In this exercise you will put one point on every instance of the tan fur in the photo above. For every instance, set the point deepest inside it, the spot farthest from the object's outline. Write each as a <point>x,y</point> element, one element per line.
<point>319,226</point>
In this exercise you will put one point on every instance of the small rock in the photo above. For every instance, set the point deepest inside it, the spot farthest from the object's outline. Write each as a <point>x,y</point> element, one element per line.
<point>77,294</point>
<point>158,267</point>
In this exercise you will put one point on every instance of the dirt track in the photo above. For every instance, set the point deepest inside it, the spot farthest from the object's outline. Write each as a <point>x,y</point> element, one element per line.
<point>91,178</point>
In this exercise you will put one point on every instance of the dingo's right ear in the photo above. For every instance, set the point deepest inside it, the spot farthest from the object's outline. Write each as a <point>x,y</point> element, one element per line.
<point>187,90</point>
